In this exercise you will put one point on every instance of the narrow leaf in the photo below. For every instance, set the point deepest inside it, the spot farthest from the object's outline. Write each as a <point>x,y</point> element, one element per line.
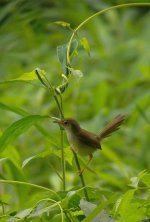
<point>13,109</point>
<point>63,24</point>
<point>18,128</point>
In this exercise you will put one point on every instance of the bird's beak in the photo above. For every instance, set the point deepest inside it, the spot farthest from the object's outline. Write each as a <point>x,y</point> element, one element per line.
<point>57,120</point>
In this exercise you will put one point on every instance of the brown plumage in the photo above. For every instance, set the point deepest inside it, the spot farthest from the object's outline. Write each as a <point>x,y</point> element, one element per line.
<point>112,126</point>
<point>85,142</point>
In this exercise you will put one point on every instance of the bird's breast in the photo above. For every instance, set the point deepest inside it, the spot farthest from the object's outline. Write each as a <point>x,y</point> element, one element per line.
<point>78,146</point>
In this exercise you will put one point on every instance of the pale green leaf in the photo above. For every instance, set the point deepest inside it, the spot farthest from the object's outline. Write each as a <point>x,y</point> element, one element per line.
<point>67,154</point>
<point>12,154</point>
<point>99,208</point>
<point>63,24</point>
<point>124,202</point>
<point>88,207</point>
<point>85,44</point>
<point>18,128</point>
<point>77,73</point>
<point>135,180</point>
<point>13,109</point>
<point>134,213</point>
<point>29,76</point>
<point>146,180</point>
<point>24,213</point>
<point>62,54</point>
<point>39,155</point>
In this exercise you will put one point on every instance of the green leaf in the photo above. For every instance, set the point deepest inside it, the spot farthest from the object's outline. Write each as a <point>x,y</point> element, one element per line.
<point>13,109</point>
<point>77,73</point>
<point>30,76</point>
<point>18,128</point>
<point>122,204</point>
<point>134,213</point>
<point>63,24</point>
<point>73,48</point>
<point>39,155</point>
<point>100,207</point>
<point>67,154</point>
<point>146,180</point>
<point>24,213</point>
<point>85,44</point>
<point>135,180</point>
<point>88,207</point>
<point>62,54</point>
<point>12,154</point>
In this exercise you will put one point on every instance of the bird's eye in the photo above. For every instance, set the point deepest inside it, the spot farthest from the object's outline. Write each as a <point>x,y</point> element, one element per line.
<point>65,122</point>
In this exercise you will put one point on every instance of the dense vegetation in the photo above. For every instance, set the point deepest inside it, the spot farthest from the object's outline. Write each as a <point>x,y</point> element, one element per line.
<point>113,52</point>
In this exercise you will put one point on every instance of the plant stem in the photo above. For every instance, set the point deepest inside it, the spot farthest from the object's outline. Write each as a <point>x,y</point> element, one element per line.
<point>81,176</point>
<point>94,15</point>
<point>31,185</point>
<point>63,160</point>
<point>50,88</point>
<point>67,217</point>
<point>59,106</point>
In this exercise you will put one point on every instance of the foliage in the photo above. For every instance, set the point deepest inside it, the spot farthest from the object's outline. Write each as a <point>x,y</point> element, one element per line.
<point>38,174</point>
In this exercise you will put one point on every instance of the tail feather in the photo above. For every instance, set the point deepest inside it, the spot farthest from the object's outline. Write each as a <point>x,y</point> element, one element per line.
<point>112,126</point>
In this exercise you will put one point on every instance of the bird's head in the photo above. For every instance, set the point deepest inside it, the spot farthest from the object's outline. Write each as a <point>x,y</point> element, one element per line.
<point>68,124</point>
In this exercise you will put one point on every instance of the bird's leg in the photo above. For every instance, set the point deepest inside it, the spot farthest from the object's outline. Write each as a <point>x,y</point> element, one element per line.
<point>82,170</point>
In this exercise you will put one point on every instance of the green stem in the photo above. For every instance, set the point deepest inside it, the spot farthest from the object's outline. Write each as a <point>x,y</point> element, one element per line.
<point>81,176</point>
<point>29,184</point>
<point>94,15</point>
<point>63,160</point>
<point>59,105</point>
<point>50,89</point>
<point>67,217</point>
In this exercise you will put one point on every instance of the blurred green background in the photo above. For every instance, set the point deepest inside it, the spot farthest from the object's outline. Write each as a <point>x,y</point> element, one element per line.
<point>116,80</point>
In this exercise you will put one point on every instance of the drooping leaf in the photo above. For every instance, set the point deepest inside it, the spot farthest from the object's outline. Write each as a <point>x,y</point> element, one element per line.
<point>67,154</point>
<point>39,155</point>
<point>85,44</point>
<point>62,57</point>
<point>18,128</point>
<point>62,54</point>
<point>13,155</point>
<point>29,76</point>
<point>76,72</point>
<point>14,109</point>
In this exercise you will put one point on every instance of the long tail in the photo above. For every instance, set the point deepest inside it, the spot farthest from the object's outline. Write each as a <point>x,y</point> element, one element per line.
<point>112,126</point>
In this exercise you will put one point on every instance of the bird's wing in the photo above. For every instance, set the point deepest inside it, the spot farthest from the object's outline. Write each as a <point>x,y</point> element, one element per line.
<point>90,139</point>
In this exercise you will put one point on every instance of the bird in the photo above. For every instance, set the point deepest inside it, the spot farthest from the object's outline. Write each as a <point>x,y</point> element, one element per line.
<point>84,142</point>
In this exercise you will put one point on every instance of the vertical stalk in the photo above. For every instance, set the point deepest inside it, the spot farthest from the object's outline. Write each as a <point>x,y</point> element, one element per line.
<point>59,105</point>
<point>62,146</point>
<point>81,176</point>
<point>63,160</point>
<point>50,89</point>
